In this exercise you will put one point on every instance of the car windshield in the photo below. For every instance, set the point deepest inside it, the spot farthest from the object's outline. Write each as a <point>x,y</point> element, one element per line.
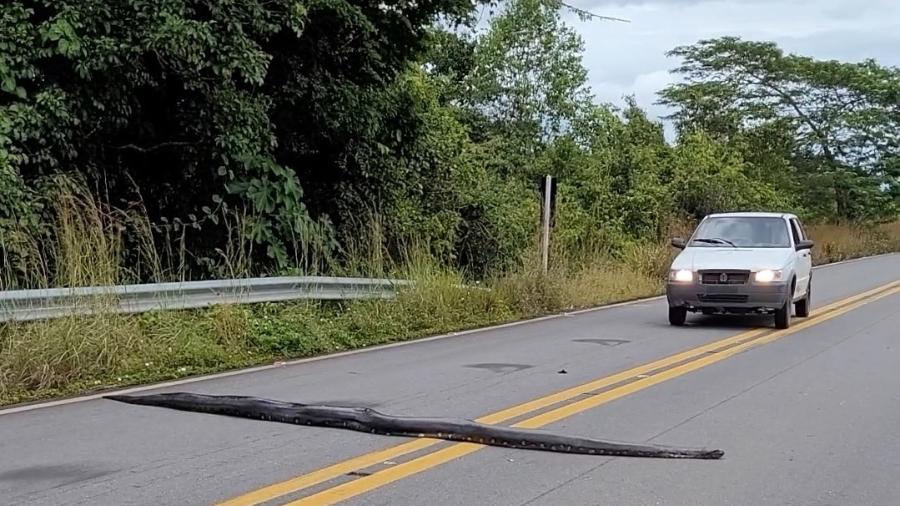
<point>745,231</point>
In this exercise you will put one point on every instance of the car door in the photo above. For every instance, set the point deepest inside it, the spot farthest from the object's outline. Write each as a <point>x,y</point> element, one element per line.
<point>803,264</point>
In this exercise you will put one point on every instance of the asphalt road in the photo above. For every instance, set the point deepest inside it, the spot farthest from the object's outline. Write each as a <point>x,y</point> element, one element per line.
<point>808,416</point>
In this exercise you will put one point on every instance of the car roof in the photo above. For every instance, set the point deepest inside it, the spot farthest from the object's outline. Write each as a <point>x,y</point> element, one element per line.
<point>751,215</point>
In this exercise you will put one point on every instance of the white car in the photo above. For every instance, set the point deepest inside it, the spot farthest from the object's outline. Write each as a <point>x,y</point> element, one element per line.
<point>742,263</point>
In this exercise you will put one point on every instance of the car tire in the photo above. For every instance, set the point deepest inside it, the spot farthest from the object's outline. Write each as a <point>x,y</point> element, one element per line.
<point>783,315</point>
<point>677,316</point>
<point>802,306</point>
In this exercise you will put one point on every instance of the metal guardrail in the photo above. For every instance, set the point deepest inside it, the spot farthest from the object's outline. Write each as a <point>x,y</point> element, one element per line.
<point>25,305</point>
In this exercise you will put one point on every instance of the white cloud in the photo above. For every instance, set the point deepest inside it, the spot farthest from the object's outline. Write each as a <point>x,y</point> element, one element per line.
<point>629,58</point>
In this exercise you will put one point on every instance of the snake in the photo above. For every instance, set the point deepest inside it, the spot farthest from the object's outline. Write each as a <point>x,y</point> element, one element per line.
<point>365,419</point>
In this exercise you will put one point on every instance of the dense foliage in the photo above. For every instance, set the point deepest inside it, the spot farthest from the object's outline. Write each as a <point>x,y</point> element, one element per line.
<point>315,123</point>
<point>832,128</point>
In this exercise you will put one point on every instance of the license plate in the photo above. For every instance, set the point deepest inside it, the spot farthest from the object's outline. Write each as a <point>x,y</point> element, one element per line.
<point>723,289</point>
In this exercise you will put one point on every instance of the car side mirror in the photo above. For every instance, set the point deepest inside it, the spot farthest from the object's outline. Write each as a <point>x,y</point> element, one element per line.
<point>679,243</point>
<point>802,245</point>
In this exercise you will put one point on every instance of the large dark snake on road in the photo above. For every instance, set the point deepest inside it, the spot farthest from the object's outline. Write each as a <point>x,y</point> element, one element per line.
<point>371,421</point>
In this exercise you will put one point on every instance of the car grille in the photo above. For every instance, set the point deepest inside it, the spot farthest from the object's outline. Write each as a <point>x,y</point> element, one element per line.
<point>722,297</point>
<point>731,278</point>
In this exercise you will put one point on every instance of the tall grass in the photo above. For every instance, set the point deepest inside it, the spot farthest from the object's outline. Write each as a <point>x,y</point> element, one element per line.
<point>363,251</point>
<point>22,264</point>
<point>84,243</point>
<point>835,243</point>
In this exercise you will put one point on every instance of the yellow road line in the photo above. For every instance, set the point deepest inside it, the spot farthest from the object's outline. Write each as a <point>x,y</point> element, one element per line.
<point>322,475</point>
<point>602,398</point>
<point>406,469</point>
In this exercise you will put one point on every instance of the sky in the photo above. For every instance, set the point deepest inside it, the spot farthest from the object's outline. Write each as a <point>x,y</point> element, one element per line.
<point>629,58</point>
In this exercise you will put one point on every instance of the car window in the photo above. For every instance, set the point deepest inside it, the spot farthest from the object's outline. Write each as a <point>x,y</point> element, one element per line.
<point>803,234</point>
<point>742,231</point>
<point>795,230</point>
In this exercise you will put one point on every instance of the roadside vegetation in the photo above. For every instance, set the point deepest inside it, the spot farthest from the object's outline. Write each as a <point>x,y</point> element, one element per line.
<point>139,142</point>
<point>76,354</point>
<point>835,243</point>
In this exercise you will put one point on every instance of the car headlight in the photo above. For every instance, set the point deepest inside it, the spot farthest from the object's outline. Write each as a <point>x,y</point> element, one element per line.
<point>681,275</point>
<point>767,276</point>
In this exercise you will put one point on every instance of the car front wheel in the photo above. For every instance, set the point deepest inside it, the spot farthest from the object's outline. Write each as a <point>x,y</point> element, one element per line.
<point>677,316</point>
<point>802,306</point>
<point>783,315</point>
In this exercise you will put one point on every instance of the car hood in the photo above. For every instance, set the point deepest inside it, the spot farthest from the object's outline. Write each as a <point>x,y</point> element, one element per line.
<point>732,258</point>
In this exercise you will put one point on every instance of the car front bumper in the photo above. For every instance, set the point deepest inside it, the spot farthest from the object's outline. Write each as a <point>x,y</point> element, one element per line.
<point>747,297</point>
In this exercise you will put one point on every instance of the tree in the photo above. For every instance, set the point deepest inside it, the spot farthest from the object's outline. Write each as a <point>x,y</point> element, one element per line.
<point>843,118</point>
<point>201,103</point>
<point>527,79</point>
<point>710,177</point>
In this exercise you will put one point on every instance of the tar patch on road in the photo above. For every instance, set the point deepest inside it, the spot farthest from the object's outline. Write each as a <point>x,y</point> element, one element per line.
<point>66,473</point>
<point>501,368</point>
<point>602,342</point>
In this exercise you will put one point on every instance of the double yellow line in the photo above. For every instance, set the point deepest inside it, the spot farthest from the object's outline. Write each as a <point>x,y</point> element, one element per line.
<point>600,391</point>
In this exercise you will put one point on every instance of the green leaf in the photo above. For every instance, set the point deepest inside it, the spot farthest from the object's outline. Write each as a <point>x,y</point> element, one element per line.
<point>8,84</point>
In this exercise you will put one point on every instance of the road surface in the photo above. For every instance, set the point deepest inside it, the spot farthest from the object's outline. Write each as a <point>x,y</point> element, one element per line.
<point>805,416</point>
